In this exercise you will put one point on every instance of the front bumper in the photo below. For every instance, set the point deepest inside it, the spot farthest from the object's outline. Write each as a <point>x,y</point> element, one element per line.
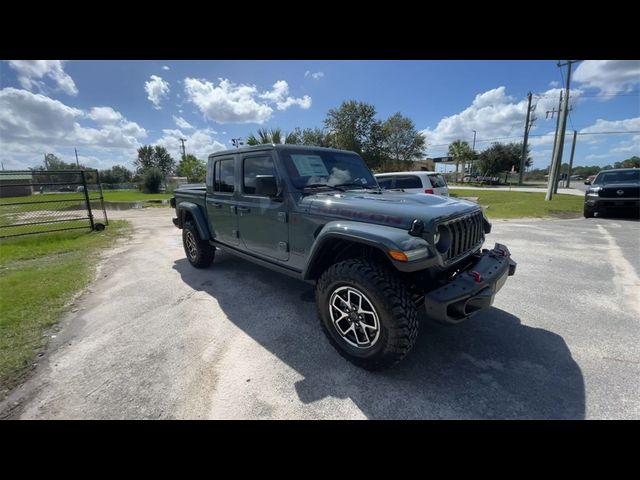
<point>472,289</point>
<point>599,203</point>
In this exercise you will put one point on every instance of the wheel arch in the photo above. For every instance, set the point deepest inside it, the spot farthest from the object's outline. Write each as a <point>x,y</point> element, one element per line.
<point>190,211</point>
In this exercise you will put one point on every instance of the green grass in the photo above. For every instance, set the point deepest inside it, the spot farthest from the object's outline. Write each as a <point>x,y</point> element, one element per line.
<point>131,196</point>
<point>39,275</point>
<point>109,196</point>
<point>501,204</point>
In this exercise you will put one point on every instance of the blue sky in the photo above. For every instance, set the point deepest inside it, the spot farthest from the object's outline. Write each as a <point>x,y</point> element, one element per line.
<point>109,108</point>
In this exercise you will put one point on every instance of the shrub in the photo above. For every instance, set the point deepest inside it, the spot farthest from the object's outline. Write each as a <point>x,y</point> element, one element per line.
<point>151,181</point>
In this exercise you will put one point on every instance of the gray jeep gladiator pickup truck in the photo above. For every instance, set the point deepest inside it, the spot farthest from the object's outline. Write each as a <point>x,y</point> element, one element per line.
<point>375,257</point>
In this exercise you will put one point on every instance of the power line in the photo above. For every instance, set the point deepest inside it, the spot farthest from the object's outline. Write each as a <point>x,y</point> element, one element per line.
<point>540,135</point>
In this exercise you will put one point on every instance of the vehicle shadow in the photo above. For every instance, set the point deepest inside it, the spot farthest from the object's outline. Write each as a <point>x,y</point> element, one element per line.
<point>491,366</point>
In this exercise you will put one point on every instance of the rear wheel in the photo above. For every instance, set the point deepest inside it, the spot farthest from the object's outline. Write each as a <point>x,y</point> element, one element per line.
<point>366,313</point>
<point>199,253</point>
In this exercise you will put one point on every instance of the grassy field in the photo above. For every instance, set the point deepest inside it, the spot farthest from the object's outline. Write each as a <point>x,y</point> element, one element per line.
<point>501,204</point>
<point>39,275</point>
<point>131,196</point>
<point>109,196</point>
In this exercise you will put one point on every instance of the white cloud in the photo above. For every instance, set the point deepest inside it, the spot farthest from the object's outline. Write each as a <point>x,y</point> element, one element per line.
<point>31,123</point>
<point>182,123</point>
<point>156,89</point>
<point>608,75</point>
<point>494,114</point>
<point>315,76</point>
<point>279,96</point>
<point>31,71</point>
<point>200,143</point>
<point>166,67</point>
<point>554,84</point>
<point>104,115</point>
<point>232,103</point>
<point>601,125</point>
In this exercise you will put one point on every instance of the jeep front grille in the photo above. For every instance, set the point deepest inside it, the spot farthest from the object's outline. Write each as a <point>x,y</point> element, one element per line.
<point>467,234</point>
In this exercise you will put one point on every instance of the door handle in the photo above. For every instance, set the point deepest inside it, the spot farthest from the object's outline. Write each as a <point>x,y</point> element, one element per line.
<point>244,209</point>
<point>216,205</point>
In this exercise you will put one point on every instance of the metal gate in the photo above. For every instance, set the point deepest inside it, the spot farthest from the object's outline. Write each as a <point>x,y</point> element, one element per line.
<point>39,201</point>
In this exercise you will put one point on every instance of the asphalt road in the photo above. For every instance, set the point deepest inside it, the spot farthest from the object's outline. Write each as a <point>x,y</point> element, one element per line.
<point>155,338</point>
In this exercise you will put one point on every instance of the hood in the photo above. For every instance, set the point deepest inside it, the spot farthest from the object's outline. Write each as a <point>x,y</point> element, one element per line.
<point>394,209</point>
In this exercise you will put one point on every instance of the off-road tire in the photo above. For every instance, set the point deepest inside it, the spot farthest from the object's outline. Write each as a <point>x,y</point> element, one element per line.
<point>199,253</point>
<point>589,212</point>
<point>396,312</point>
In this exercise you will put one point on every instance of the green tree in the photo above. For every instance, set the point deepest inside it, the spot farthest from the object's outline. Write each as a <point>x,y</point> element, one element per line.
<point>633,162</point>
<point>502,157</point>
<point>273,136</point>
<point>116,174</point>
<point>151,180</point>
<point>53,162</point>
<point>154,157</point>
<point>316,137</point>
<point>461,152</point>
<point>402,143</point>
<point>353,126</point>
<point>193,168</point>
<point>145,159</point>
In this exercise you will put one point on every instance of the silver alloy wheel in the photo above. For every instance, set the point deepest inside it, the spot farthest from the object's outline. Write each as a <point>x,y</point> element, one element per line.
<point>354,317</point>
<point>192,249</point>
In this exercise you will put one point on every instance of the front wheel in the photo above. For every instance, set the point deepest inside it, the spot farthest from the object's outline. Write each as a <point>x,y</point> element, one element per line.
<point>366,313</point>
<point>199,253</point>
<point>589,212</point>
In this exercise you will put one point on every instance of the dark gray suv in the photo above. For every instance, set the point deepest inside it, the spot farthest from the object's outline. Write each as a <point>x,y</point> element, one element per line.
<point>614,190</point>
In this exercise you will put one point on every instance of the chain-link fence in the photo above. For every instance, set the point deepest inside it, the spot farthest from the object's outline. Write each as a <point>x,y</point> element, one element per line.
<point>38,201</point>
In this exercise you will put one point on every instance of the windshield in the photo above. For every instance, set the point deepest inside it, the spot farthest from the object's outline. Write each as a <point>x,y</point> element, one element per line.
<point>629,176</point>
<point>308,168</point>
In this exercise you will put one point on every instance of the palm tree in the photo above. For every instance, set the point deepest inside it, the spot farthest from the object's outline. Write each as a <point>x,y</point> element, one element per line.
<point>461,152</point>
<point>274,135</point>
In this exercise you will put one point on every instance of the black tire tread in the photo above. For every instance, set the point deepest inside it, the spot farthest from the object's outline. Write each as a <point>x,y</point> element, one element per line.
<point>206,252</point>
<point>404,330</point>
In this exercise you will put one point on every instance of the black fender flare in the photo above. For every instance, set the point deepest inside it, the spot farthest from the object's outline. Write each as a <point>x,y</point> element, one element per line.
<point>198,216</point>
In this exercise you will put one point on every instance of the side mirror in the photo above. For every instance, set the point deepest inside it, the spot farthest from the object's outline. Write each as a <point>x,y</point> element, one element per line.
<point>266,185</point>
<point>587,182</point>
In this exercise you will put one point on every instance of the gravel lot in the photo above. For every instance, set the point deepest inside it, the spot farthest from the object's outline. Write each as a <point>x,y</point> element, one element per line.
<point>154,338</point>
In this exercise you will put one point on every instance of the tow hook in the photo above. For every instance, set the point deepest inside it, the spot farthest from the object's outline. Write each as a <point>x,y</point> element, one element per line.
<point>476,276</point>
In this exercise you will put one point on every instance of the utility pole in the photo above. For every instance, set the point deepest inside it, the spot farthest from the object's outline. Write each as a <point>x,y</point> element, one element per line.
<point>573,150</point>
<point>46,164</point>
<point>77,162</point>
<point>563,123</point>
<point>184,154</point>
<point>552,167</point>
<point>474,152</point>
<point>527,126</point>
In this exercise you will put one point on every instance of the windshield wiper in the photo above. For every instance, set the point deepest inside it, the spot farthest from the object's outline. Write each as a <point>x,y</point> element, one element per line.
<point>319,185</point>
<point>355,184</point>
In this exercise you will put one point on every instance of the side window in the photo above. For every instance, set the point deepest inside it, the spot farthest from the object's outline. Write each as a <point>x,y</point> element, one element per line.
<point>223,177</point>
<point>408,182</point>
<point>385,182</point>
<point>252,167</point>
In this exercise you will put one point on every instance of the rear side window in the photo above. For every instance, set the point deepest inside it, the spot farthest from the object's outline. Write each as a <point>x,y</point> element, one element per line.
<point>408,182</point>
<point>224,176</point>
<point>253,167</point>
<point>437,181</point>
<point>385,182</point>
